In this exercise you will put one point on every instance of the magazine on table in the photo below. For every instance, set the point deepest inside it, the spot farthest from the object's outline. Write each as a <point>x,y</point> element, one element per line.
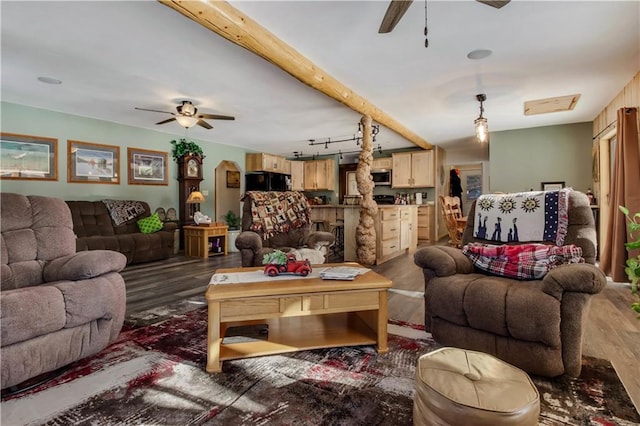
<point>342,273</point>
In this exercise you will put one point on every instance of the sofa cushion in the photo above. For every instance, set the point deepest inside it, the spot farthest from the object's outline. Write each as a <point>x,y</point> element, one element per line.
<point>90,218</point>
<point>497,305</point>
<point>150,224</point>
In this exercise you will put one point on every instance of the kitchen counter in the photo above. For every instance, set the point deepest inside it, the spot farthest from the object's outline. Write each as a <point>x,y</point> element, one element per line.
<point>351,206</point>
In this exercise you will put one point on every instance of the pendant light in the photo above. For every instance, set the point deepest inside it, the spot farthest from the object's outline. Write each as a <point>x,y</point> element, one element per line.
<point>482,128</point>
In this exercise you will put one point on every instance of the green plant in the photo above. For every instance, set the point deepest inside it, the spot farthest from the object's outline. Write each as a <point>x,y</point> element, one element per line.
<point>183,147</point>
<point>277,257</point>
<point>633,263</point>
<point>232,219</point>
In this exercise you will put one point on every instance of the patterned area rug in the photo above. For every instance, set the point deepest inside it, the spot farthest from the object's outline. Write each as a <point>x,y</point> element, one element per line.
<point>154,375</point>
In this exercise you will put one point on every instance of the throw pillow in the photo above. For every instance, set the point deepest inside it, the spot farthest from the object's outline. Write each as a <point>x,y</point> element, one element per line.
<point>150,224</point>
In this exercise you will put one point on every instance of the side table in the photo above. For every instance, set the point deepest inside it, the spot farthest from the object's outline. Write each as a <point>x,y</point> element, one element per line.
<point>205,240</point>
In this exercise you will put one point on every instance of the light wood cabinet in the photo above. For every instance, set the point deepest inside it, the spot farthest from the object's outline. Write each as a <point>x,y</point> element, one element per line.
<point>263,162</point>
<point>319,175</point>
<point>426,223</point>
<point>395,232</point>
<point>297,175</point>
<point>413,169</point>
<point>385,163</point>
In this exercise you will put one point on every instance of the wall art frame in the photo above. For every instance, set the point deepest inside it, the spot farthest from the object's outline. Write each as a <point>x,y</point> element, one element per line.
<point>147,167</point>
<point>89,162</point>
<point>551,186</point>
<point>233,179</point>
<point>26,157</point>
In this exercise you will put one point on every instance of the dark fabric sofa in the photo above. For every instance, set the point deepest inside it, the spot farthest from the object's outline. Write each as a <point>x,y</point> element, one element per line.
<point>536,325</point>
<point>95,230</point>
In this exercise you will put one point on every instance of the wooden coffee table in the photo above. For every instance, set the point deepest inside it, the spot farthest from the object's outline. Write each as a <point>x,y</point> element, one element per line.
<point>301,314</point>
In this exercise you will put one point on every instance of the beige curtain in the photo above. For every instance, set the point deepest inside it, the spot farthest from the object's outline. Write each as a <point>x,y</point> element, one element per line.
<point>625,191</point>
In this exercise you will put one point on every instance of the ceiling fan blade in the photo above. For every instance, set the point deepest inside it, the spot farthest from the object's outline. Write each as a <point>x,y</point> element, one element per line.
<point>153,110</point>
<point>216,116</point>
<point>494,3</point>
<point>394,13</point>
<point>166,121</point>
<point>204,124</point>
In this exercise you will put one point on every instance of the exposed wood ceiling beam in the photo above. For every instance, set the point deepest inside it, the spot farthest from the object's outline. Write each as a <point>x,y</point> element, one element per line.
<point>230,23</point>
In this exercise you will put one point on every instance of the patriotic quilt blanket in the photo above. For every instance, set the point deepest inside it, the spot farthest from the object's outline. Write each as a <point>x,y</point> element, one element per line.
<point>524,216</point>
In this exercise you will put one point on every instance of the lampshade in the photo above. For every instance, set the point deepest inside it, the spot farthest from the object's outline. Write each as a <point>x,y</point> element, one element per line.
<point>195,197</point>
<point>481,124</point>
<point>482,130</point>
<point>186,121</point>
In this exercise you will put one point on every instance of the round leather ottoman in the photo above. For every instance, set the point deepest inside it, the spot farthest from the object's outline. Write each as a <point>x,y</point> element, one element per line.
<point>461,387</point>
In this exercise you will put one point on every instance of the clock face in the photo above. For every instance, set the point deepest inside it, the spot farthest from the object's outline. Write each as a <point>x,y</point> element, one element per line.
<point>192,168</point>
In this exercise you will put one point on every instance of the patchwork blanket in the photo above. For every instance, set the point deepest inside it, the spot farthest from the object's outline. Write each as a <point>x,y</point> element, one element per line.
<point>523,216</point>
<point>122,211</point>
<point>523,262</point>
<point>277,212</point>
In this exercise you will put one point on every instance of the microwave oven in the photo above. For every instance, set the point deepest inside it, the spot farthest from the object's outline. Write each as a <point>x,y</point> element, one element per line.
<point>381,177</point>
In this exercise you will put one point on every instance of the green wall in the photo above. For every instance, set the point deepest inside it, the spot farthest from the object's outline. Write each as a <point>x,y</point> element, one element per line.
<point>522,159</point>
<point>38,122</point>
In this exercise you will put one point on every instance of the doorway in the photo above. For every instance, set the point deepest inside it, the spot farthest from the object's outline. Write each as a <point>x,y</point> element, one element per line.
<point>471,181</point>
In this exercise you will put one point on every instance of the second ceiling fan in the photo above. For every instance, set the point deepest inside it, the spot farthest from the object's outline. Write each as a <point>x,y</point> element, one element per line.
<point>188,116</point>
<point>397,8</point>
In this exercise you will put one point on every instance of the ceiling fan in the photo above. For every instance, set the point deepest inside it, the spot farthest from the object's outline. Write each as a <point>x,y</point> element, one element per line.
<point>397,8</point>
<point>188,116</point>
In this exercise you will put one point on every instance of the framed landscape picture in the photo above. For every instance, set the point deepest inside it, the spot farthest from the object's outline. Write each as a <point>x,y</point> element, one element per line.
<point>552,186</point>
<point>28,157</point>
<point>147,167</point>
<point>93,163</point>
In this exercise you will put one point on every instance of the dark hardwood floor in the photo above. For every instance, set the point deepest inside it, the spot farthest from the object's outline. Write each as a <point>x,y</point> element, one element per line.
<point>612,330</point>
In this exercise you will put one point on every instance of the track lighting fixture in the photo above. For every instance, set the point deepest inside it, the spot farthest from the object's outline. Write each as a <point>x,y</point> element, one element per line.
<point>482,128</point>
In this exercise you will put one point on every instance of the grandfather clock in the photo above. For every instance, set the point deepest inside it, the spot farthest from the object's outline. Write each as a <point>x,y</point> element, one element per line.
<point>189,178</point>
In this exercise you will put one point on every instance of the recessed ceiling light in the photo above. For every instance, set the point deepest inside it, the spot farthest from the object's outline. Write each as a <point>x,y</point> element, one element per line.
<point>49,80</point>
<point>479,54</point>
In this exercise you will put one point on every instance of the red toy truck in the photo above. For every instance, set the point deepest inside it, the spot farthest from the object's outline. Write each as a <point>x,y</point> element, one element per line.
<point>291,266</point>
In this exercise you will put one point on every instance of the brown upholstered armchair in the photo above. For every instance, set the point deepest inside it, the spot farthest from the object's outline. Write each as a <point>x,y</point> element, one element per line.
<point>536,325</point>
<point>57,305</point>
<point>278,210</point>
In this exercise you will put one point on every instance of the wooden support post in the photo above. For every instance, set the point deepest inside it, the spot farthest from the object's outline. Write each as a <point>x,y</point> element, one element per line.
<point>366,230</point>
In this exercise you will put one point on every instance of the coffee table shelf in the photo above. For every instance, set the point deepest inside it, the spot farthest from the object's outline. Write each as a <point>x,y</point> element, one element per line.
<point>293,334</point>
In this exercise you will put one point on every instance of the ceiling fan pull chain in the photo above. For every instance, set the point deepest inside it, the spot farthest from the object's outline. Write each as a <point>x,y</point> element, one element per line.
<point>426,31</point>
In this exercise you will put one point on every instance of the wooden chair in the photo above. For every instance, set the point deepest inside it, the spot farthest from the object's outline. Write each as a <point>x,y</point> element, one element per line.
<point>453,219</point>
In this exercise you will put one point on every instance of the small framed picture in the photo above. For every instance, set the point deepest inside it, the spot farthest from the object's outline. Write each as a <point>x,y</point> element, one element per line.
<point>552,186</point>
<point>233,179</point>
<point>93,163</point>
<point>27,157</point>
<point>147,167</point>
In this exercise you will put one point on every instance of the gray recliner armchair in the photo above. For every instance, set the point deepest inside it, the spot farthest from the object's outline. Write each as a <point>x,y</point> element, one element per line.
<point>537,325</point>
<point>57,305</point>
<point>251,242</point>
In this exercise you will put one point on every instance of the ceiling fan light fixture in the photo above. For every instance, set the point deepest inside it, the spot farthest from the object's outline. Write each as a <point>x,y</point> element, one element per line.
<point>479,54</point>
<point>481,123</point>
<point>186,121</point>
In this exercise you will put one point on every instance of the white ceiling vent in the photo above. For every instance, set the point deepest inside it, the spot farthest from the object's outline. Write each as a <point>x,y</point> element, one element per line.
<point>544,106</point>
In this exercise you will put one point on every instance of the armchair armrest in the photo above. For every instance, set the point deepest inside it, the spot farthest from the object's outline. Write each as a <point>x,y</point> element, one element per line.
<point>249,240</point>
<point>316,240</point>
<point>169,226</point>
<point>577,277</point>
<point>444,261</point>
<point>84,265</point>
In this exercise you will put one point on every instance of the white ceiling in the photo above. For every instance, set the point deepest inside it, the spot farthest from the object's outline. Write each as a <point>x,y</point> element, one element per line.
<point>114,56</point>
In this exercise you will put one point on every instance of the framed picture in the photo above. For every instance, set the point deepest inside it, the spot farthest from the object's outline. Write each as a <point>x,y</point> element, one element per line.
<point>28,157</point>
<point>552,186</point>
<point>93,163</point>
<point>147,167</point>
<point>233,179</point>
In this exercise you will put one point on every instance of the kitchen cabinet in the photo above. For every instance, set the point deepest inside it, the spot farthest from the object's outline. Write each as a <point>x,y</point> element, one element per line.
<point>426,223</point>
<point>408,221</point>
<point>395,232</point>
<point>385,163</point>
<point>263,162</point>
<point>413,169</point>
<point>297,175</point>
<point>319,175</point>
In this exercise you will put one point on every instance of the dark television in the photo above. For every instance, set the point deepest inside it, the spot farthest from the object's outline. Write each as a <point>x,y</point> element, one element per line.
<point>266,181</point>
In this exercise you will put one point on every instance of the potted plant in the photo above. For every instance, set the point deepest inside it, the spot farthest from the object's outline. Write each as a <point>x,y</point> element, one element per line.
<point>633,263</point>
<point>233,220</point>
<point>183,147</point>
